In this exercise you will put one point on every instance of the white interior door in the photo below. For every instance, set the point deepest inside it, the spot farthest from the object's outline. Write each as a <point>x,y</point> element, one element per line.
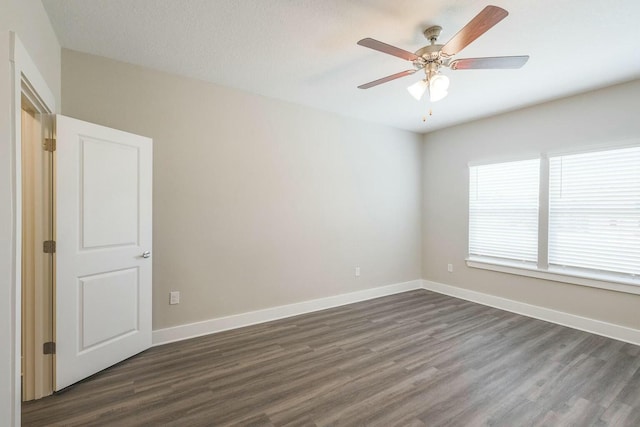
<point>103,228</point>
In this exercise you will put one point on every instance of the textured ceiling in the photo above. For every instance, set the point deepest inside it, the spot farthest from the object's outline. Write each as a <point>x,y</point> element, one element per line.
<point>304,51</point>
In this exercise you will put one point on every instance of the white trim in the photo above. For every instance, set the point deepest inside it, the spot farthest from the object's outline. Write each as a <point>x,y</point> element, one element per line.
<point>23,69</point>
<point>609,330</point>
<point>192,330</point>
<point>9,399</point>
<point>27,69</point>
<point>602,281</point>
<point>543,213</point>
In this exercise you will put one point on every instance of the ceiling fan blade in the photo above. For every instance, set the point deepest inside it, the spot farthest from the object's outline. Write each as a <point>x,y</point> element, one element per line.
<point>487,18</point>
<point>386,79</point>
<point>488,63</point>
<point>388,49</point>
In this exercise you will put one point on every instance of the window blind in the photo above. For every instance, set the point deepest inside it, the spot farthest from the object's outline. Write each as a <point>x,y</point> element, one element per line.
<point>503,210</point>
<point>594,210</point>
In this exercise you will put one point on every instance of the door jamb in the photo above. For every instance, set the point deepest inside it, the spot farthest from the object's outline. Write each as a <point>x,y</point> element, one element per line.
<point>38,322</point>
<point>24,72</point>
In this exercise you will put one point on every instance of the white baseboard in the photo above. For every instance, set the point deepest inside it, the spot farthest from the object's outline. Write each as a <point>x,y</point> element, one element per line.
<point>192,330</point>
<point>609,330</point>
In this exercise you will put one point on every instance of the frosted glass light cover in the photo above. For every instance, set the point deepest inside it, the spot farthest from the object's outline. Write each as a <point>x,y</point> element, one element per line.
<point>438,87</point>
<point>418,89</point>
<point>437,95</point>
<point>440,83</point>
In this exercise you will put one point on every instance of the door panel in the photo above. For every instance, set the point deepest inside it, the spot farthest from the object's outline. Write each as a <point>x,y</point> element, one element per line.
<point>103,225</point>
<point>109,194</point>
<point>101,296</point>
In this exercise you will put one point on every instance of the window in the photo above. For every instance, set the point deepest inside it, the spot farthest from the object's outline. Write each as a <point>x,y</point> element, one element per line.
<point>503,210</point>
<point>594,211</point>
<point>572,218</point>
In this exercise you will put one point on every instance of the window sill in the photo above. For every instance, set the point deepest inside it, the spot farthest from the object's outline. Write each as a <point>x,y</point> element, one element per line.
<point>602,281</point>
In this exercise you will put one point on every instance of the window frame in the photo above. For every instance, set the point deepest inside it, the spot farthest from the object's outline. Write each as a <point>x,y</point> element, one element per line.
<point>620,282</point>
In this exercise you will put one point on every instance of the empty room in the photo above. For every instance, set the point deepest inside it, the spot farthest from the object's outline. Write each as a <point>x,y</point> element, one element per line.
<point>319,213</point>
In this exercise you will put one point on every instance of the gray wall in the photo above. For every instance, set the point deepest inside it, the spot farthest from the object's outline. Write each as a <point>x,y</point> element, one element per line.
<point>257,202</point>
<point>609,114</point>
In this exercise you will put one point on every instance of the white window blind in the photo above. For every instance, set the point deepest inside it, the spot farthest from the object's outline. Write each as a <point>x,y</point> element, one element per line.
<point>503,210</point>
<point>594,210</point>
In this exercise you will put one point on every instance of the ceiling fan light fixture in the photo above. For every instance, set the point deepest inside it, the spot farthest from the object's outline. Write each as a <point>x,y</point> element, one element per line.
<point>437,95</point>
<point>439,82</point>
<point>438,86</point>
<point>418,89</point>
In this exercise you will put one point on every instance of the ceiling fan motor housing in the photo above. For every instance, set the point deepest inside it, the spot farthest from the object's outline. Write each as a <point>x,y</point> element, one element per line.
<point>429,53</point>
<point>429,59</point>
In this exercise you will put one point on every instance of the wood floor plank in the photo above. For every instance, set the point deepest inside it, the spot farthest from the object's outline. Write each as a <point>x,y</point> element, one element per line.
<point>411,359</point>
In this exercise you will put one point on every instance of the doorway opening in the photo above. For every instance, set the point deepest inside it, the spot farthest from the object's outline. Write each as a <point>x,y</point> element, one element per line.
<point>38,263</point>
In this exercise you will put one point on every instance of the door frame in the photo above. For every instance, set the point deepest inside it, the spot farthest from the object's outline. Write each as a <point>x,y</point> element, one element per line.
<point>24,76</point>
<point>37,295</point>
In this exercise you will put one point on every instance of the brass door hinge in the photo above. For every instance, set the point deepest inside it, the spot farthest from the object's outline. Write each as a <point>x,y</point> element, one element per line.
<point>49,247</point>
<point>49,348</point>
<point>49,144</point>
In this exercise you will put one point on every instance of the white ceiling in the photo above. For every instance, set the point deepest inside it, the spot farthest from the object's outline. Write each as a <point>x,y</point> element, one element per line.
<point>304,51</point>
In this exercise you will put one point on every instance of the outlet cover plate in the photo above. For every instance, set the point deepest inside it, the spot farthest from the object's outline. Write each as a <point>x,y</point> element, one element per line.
<point>174,297</point>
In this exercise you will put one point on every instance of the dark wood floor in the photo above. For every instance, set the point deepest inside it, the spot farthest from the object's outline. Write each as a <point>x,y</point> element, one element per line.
<point>412,359</point>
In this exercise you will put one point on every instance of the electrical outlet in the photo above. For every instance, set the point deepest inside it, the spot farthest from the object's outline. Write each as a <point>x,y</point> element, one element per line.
<point>357,271</point>
<point>450,268</point>
<point>174,297</point>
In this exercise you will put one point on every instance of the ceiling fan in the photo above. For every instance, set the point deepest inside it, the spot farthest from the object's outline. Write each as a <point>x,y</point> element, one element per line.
<point>434,56</point>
